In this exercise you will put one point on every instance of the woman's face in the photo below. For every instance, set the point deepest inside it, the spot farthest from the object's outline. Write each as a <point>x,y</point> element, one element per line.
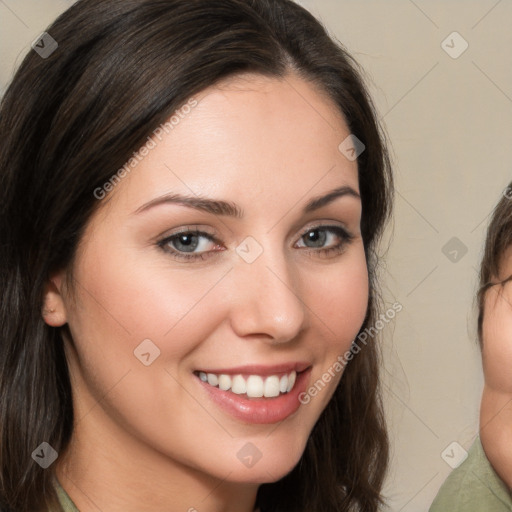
<point>168,291</point>
<point>496,406</point>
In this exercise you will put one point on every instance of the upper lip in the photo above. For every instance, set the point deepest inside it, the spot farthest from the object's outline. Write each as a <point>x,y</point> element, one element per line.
<point>257,369</point>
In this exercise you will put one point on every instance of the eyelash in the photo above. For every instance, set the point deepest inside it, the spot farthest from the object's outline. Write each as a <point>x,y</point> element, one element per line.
<point>345,237</point>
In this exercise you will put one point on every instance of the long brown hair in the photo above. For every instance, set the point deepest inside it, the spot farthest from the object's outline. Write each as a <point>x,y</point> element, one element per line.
<point>70,120</point>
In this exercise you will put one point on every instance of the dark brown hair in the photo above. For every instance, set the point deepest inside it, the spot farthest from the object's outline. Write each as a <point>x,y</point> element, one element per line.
<point>498,240</point>
<point>68,122</point>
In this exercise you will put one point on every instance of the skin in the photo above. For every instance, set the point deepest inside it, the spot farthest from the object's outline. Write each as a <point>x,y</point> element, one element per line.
<point>496,404</point>
<point>148,437</point>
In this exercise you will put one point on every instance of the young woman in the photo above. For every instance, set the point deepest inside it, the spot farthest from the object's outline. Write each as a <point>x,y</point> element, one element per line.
<point>484,480</point>
<point>191,197</point>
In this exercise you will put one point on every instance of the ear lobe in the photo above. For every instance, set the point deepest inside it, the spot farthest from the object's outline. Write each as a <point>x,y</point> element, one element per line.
<point>54,310</point>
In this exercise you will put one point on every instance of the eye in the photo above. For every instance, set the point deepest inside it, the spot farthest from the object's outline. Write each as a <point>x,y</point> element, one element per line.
<point>189,244</point>
<point>329,240</point>
<point>195,244</point>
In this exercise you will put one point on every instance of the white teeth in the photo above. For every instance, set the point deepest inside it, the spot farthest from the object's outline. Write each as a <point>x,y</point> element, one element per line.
<point>213,380</point>
<point>271,386</point>
<point>238,386</point>
<point>283,384</point>
<point>254,386</point>
<point>224,382</point>
<point>291,381</point>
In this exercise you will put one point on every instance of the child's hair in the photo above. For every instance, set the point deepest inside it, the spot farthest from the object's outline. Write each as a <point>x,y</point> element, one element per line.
<point>498,240</point>
<point>70,120</point>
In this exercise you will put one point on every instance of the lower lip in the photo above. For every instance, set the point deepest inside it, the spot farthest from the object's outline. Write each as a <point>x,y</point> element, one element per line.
<point>259,410</point>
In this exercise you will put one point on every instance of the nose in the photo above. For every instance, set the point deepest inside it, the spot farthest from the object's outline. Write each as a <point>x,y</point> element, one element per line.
<point>267,301</point>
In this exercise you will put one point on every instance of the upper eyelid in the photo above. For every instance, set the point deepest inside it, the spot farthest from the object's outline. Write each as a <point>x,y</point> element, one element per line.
<point>311,227</point>
<point>306,229</point>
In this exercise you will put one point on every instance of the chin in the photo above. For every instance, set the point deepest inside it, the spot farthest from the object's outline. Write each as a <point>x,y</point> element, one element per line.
<point>263,474</point>
<point>275,463</point>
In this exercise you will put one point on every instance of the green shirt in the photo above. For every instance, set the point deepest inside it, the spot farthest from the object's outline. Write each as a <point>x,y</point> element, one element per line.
<point>473,487</point>
<point>65,501</point>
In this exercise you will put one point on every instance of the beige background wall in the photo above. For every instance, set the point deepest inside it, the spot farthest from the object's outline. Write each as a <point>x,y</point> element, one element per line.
<point>450,123</point>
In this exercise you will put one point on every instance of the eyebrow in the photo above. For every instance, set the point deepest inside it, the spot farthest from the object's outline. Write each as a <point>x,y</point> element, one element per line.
<point>219,207</point>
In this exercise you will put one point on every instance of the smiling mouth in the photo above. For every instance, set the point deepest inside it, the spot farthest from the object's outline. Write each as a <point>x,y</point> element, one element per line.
<point>252,386</point>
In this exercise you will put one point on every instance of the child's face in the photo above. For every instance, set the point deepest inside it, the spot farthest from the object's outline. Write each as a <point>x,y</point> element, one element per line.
<point>496,406</point>
<point>260,302</point>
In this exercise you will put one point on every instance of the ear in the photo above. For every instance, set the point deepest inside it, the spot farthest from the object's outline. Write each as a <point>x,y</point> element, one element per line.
<point>54,309</point>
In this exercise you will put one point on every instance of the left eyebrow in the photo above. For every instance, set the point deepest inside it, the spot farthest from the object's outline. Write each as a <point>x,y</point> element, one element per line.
<point>319,202</point>
<point>219,207</point>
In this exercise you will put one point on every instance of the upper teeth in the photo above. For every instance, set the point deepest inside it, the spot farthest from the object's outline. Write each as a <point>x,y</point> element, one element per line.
<point>254,386</point>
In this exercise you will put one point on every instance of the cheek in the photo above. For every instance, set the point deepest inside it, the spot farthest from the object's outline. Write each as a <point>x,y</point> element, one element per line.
<point>338,303</point>
<point>497,356</point>
<point>121,303</point>
<point>126,300</point>
<point>497,341</point>
<point>339,299</point>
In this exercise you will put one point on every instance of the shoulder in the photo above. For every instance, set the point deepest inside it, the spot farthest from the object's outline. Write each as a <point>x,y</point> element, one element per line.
<point>473,486</point>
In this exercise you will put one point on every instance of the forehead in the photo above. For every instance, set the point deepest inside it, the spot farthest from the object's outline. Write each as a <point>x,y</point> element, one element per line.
<point>248,138</point>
